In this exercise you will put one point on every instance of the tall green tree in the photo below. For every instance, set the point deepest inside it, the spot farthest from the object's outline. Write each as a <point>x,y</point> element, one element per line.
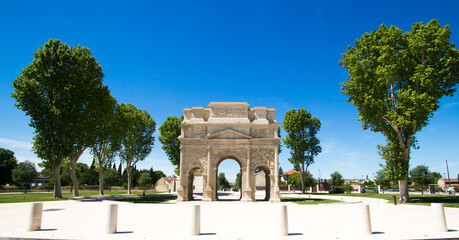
<point>137,139</point>
<point>7,163</point>
<point>422,177</point>
<point>106,145</point>
<point>396,80</point>
<point>98,110</point>
<point>25,173</point>
<point>301,139</point>
<point>61,92</point>
<point>169,132</point>
<point>336,179</point>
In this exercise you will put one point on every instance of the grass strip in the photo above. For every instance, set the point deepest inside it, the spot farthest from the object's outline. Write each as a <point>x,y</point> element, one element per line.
<point>425,200</point>
<point>41,197</point>
<point>308,201</point>
<point>149,199</point>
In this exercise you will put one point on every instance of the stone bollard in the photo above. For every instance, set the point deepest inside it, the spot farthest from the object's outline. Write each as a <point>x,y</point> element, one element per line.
<point>439,219</point>
<point>35,217</point>
<point>112,218</point>
<point>283,220</point>
<point>366,220</point>
<point>195,220</point>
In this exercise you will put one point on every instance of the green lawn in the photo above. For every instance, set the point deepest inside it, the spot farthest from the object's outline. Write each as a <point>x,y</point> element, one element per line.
<point>149,199</point>
<point>40,197</point>
<point>308,201</point>
<point>447,200</point>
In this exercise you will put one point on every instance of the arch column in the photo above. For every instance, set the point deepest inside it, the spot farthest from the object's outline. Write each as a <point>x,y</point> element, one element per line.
<point>182,195</point>
<point>276,196</point>
<point>208,192</point>
<point>247,195</point>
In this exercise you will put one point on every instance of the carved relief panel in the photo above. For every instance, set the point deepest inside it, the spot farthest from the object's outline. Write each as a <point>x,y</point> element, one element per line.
<point>262,155</point>
<point>195,156</point>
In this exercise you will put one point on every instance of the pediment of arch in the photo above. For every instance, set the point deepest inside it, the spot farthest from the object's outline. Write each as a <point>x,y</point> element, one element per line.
<point>228,134</point>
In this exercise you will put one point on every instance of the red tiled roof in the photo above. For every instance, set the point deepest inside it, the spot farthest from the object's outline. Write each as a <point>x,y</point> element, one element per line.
<point>169,179</point>
<point>290,172</point>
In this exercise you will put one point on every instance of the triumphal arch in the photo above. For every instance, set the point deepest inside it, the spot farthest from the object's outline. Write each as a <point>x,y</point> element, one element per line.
<point>229,130</point>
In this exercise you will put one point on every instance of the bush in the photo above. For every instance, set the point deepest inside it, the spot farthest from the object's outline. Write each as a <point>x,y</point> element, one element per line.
<point>456,188</point>
<point>348,188</point>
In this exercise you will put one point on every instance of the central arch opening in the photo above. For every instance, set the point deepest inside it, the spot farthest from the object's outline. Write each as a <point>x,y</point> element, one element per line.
<point>228,180</point>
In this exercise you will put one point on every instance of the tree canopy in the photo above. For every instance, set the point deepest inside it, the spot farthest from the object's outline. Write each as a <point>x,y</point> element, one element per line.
<point>336,179</point>
<point>25,173</point>
<point>396,79</point>
<point>7,163</point>
<point>301,139</point>
<point>61,91</point>
<point>136,140</point>
<point>169,132</point>
<point>422,177</point>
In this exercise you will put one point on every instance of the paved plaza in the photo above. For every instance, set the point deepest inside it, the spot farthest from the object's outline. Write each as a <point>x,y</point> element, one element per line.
<point>227,220</point>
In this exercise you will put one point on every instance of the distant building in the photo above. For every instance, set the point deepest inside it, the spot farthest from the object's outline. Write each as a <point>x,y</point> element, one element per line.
<point>40,181</point>
<point>443,182</point>
<point>198,182</point>
<point>166,184</point>
<point>285,175</point>
<point>260,180</point>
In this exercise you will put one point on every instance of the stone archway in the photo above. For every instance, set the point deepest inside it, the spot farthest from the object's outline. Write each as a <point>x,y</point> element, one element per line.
<point>228,130</point>
<point>222,159</point>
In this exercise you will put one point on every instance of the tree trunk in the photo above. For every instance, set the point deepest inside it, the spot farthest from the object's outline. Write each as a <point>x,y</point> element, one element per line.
<point>101,181</point>
<point>302,182</point>
<point>57,181</point>
<point>128,169</point>
<point>404,197</point>
<point>74,179</point>
<point>73,176</point>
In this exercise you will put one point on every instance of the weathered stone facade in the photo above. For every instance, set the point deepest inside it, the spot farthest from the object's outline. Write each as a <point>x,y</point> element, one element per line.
<point>229,130</point>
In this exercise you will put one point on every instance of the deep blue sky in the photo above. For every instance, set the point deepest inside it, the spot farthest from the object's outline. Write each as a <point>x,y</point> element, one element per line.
<point>169,55</point>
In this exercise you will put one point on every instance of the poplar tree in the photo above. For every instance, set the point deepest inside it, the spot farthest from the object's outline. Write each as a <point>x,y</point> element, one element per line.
<point>136,138</point>
<point>62,92</point>
<point>396,80</point>
<point>301,139</point>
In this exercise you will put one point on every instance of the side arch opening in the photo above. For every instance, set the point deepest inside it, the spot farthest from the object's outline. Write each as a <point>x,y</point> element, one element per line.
<point>195,184</point>
<point>262,183</point>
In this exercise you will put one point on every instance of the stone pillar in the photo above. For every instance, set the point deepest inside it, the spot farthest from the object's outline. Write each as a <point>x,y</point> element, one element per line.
<point>283,220</point>
<point>112,218</point>
<point>379,189</point>
<point>276,196</point>
<point>438,217</point>
<point>36,215</point>
<point>366,219</point>
<point>247,195</point>
<point>195,220</point>
<point>358,189</point>
<point>181,188</point>
<point>207,195</point>
<point>318,188</point>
